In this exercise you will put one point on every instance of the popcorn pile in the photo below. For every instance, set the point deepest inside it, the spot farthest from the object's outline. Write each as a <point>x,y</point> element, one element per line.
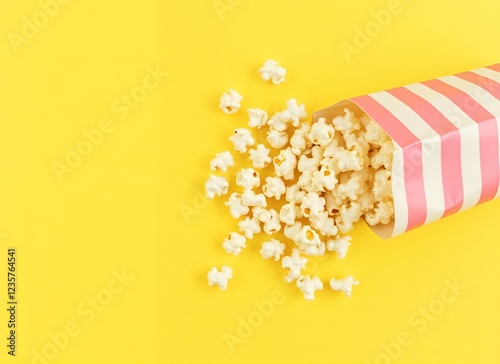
<point>328,175</point>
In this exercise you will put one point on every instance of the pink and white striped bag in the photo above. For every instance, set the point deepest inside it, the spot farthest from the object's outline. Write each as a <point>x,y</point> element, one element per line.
<point>446,138</point>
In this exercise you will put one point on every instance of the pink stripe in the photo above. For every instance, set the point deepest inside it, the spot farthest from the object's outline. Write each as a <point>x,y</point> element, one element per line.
<point>488,84</point>
<point>412,157</point>
<point>488,135</point>
<point>451,163</point>
<point>494,67</point>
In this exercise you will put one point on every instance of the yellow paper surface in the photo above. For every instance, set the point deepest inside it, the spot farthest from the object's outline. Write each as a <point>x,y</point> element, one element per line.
<point>112,251</point>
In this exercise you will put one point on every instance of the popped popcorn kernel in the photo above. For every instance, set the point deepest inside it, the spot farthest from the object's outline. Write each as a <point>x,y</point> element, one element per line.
<point>274,187</point>
<point>216,186</point>
<point>277,139</point>
<point>309,286</point>
<point>294,263</point>
<point>340,245</point>
<point>242,139</point>
<point>257,118</point>
<point>230,102</point>
<point>236,206</point>
<point>272,249</point>
<point>234,243</point>
<point>249,227</point>
<point>219,278</point>
<point>222,161</point>
<point>248,178</point>
<point>260,156</point>
<point>271,70</point>
<point>250,198</point>
<point>343,285</point>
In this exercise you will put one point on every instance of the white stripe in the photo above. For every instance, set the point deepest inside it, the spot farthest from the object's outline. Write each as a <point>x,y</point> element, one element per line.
<point>488,73</point>
<point>482,96</point>
<point>399,192</point>
<point>431,152</point>
<point>469,141</point>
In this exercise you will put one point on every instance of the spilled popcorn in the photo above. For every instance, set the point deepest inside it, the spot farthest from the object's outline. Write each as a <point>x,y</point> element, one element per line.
<point>325,176</point>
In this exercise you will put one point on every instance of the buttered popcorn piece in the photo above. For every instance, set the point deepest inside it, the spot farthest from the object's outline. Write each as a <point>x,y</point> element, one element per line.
<point>289,212</point>
<point>257,118</point>
<point>277,122</point>
<point>277,139</point>
<point>250,198</point>
<point>236,206</point>
<point>249,227</point>
<point>343,285</point>
<point>321,132</point>
<point>222,161</point>
<point>340,245</point>
<point>220,278</point>
<point>271,70</point>
<point>309,285</point>
<point>294,263</point>
<point>242,139</point>
<point>294,112</point>
<point>271,221</point>
<point>299,140</point>
<point>234,243</point>
<point>346,124</point>
<point>324,179</point>
<point>285,163</point>
<point>324,224</point>
<point>382,184</point>
<point>294,194</point>
<point>292,231</point>
<point>260,156</point>
<point>230,102</point>
<point>272,249</point>
<point>216,186</point>
<point>312,204</point>
<point>248,178</point>
<point>274,187</point>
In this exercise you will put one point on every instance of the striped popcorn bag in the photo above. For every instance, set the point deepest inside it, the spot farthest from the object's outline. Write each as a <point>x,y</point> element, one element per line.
<point>446,139</point>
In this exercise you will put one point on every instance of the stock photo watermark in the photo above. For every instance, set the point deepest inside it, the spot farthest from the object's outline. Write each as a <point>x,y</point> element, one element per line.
<point>32,25</point>
<point>121,107</point>
<point>86,311</point>
<point>247,324</point>
<point>419,321</point>
<point>364,35</point>
<point>223,6</point>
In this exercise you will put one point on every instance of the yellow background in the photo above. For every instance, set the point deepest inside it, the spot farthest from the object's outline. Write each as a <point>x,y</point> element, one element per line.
<point>120,208</point>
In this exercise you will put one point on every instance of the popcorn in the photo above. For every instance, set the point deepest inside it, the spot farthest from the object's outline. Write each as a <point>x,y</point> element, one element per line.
<point>289,212</point>
<point>219,278</point>
<point>277,139</point>
<point>272,71</point>
<point>230,101</point>
<point>222,161</point>
<point>216,185</point>
<point>271,221</point>
<point>324,224</point>
<point>348,216</point>
<point>295,263</point>
<point>324,179</point>
<point>250,198</point>
<point>382,214</point>
<point>312,205</point>
<point>274,187</point>
<point>346,124</point>
<point>294,112</point>
<point>321,133</point>
<point>277,122</point>
<point>382,184</point>
<point>260,156</point>
<point>241,139</point>
<point>273,248</point>
<point>294,194</point>
<point>257,118</point>
<point>309,285</point>
<point>236,206</point>
<point>299,140</point>
<point>339,245</point>
<point>344,173</point>
<point>247,178</point>
<point>249,227</point>
<point>292,231</point>
<point>285,163</point>
<point>234,243</point>
<point>343,285</point>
